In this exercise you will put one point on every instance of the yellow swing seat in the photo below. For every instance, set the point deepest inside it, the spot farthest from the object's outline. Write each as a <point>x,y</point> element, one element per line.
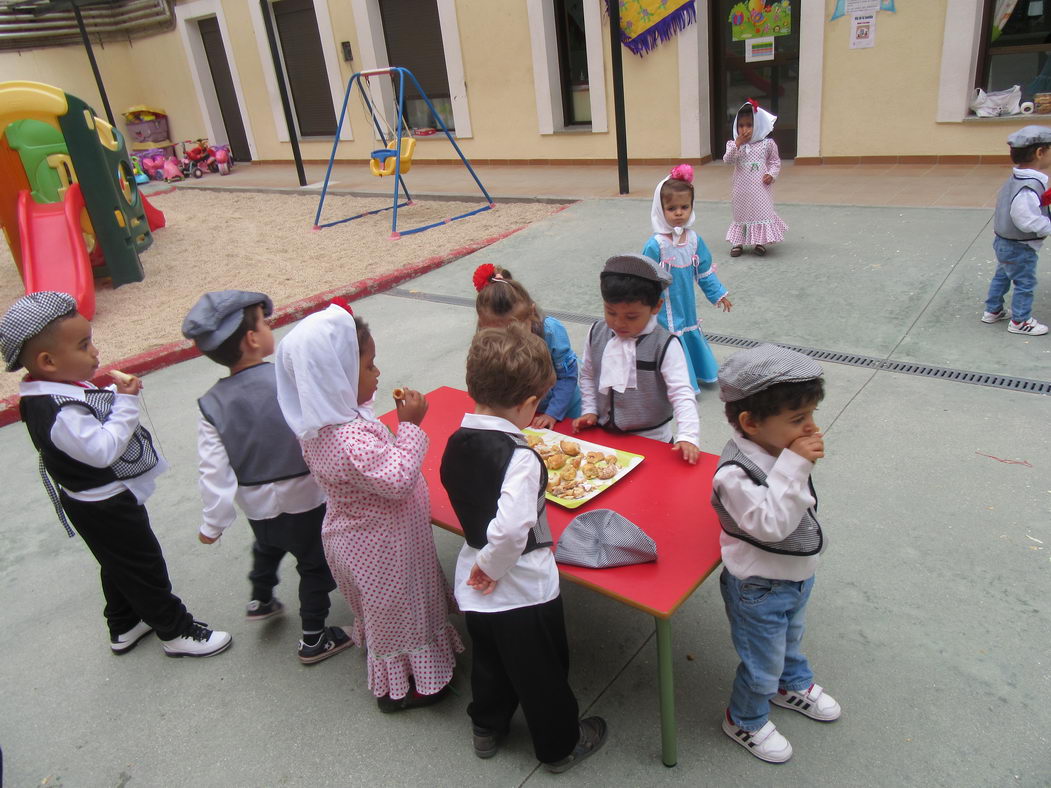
<point>384,160</point>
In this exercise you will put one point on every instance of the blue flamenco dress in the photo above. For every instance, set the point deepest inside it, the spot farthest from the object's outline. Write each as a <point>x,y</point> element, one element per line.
<point>563,400</point>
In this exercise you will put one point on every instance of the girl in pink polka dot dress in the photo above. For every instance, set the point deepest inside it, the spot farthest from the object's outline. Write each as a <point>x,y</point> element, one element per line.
<point>377,529</point>
<point>756,166</point>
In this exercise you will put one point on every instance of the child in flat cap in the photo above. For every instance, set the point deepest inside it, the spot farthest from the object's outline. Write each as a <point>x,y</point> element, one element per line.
<point>634,376</point>
<point>249,456</point>
<point>1021,222</point>
<point>765,500</point>
<point>105,466</point>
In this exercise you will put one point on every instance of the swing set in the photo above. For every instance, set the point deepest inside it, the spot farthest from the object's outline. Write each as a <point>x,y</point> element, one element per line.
<point>395,157</point>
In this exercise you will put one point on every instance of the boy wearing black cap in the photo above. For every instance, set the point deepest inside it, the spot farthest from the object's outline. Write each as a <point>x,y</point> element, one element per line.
<point>634,376</point>
<point>105,465</point>
<point>248,455</point>
<point>770,540</point>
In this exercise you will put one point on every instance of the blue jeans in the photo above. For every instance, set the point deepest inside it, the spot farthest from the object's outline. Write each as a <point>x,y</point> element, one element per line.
<point>1015,264</point>
<point>766,624</point>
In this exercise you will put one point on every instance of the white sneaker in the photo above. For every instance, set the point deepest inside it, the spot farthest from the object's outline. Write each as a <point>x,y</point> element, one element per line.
<point>766,744</point>
<point>198,642</point>
<point>122,644</point>
<point>1030,327</point>
<point>814,703</point>
<point>995,317</point>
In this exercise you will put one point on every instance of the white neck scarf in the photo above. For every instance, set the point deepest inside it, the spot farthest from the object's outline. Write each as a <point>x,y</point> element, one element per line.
<point>618,361</point>
<point>660,224</point>
<point>317,373</point>
<point>762,123</point>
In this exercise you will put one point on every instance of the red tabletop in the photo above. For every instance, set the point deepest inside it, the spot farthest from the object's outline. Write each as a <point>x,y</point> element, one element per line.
<point>667,498</point>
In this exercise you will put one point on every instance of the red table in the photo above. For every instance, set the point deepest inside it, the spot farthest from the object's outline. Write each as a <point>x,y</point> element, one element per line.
<point>666,497</point>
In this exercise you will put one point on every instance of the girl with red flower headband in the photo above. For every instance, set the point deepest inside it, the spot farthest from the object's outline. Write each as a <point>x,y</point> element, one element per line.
<point>503,300</point>
<point>756,165</point>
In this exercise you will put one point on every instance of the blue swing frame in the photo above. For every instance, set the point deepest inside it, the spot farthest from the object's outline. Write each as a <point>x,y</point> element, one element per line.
<point>399,183</point>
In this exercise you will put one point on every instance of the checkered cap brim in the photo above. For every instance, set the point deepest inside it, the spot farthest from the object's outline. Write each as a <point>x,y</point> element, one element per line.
<point>601,539</point>
<point>750,371</point>
<point>637,265</point>
<point>27,317</point>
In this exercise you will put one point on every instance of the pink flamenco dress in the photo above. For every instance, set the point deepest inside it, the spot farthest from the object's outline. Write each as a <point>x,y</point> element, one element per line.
<point>377,529</point>
<point>754,219</point>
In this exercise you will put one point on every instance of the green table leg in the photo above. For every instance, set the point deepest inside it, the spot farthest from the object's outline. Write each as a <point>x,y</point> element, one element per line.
<point>669,746</point>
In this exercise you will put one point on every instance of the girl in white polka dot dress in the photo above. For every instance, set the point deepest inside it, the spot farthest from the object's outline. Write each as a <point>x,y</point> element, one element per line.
<point>377,530</point>
<point>756,166</point>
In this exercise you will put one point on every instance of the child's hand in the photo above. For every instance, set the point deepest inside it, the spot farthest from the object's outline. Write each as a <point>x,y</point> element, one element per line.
<point>413,407</point>
<point>809,447</point>
<point>743,138</point>
<point>584,422</point>
<point>768,179</point>
<point>206,539</point>
<point>128,385</point>
<point>543,422</point>
<point>725,304</point>
<point>480,581</point>
<point>689,451</point>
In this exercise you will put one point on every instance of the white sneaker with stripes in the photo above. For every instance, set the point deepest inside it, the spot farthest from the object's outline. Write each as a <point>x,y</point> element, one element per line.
<point>813,702</point>
<point>766,744</point>
<point>1030,327</point>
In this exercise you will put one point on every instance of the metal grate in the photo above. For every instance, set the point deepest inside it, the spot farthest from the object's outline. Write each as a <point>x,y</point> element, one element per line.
<point>831,356</point>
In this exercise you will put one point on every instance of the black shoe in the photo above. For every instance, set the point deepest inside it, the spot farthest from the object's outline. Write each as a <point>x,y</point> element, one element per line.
<point>413,700</point>
<point>592,737</point>
<point>261,611</point>
<point>332,641</point>
<point>486,742</point>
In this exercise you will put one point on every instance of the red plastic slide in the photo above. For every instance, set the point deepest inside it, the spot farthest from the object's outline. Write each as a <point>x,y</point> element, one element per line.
<point>54,255</point>
<point>154,216</point>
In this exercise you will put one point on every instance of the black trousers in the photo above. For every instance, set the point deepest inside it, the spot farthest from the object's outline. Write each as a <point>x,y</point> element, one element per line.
<point>300,535</point>
<point>134,576</point>
<point>521,656</point>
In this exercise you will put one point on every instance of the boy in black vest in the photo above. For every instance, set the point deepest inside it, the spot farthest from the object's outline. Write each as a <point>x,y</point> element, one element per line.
<point>767,506</point>
<point>506,578</point>
<point>105,466</point>
<point>634,376</point>
<point>248,455</point>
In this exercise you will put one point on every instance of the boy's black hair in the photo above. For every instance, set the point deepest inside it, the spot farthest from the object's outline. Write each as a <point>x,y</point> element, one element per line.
<point>626,289</point>
<point>1026,154</point>
<point>778,397</point>
<point>228,353</point>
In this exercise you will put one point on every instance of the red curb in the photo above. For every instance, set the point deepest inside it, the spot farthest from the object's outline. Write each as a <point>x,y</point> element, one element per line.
<point>183,350</point>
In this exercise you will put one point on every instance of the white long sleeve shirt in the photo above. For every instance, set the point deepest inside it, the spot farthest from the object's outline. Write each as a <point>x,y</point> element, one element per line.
<point>680,393</point>
<point>768,514</point>
<point>522,580</point>
<point>1025,209</point>
<point>220,490</point>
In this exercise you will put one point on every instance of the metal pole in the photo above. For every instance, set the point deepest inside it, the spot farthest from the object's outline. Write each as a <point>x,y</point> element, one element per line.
<point>618,94</point>
<point>271,37</point>
<point>94,64</point>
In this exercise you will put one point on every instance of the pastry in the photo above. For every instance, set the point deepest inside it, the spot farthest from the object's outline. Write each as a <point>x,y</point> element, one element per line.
<point>556,461</point>
<point>121,377</point>
<point>572,448</point>
<point>398,393</point>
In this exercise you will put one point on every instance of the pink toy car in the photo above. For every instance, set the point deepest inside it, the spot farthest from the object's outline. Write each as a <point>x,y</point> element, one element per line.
<point>172,170</point>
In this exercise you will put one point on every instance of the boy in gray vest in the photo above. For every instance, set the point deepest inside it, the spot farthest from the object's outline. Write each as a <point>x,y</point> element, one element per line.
<point>248,455</point>
<point>634,376</point>
<point>1021,223</point>
<point>770,541</point>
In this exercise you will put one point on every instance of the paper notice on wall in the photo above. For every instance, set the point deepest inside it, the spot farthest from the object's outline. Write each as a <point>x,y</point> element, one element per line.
<point>862,31</point>
<point>853,7</point>
<point>757,49</point>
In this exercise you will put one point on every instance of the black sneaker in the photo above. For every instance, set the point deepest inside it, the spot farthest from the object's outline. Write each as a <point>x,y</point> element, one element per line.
<point>261,611</point>
<point>486,742</point>
<point>413,700</point>
<point>332,641</point>
<point>592,737</point>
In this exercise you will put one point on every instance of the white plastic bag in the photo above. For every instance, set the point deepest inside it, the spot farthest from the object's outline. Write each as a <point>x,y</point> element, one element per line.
<point>999,102</point>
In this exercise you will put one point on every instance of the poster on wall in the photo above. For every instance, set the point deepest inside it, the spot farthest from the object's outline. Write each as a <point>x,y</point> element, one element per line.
<point>758,49</point>
<point>862,31</point>
<point>760,19</point>
<point>844,7</point>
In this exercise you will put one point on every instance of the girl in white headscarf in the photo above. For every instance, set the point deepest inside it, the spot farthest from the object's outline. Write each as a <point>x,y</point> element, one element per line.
<point>377,529</point>
<point>756,165</point>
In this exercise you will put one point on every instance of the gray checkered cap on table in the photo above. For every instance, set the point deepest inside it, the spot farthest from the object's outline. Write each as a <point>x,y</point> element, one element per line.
<point>27,317</point>
<point>748,372</point>
<point>601,539</point>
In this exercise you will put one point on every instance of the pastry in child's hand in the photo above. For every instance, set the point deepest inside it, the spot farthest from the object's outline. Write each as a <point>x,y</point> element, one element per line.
<point>121,377</point>
<point>568,473</point>
<point>572,448</point>
<point>398,394</point>
<point>556,461</point>
<point>607,472</point>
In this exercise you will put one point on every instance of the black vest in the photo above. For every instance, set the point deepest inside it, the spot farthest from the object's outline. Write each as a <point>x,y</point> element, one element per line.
<point>39,413</point>
<point>473,468</point>
<point>646,407</point>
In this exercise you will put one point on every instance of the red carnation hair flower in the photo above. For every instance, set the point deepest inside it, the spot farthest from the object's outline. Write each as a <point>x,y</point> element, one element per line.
<point>340,301</point>
<point>483,274</point>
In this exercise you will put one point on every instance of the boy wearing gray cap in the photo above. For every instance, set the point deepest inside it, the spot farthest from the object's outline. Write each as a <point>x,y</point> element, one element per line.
<point>770,540</point>
<point>634,376</point>
<point>1021,222</point>
<point>249,456</point>
<point>105,466</point>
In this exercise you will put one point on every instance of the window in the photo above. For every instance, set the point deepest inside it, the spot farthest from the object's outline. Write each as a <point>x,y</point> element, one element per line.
<point>413,34</point>
<point>305,69</point>
<point>573,62</point>
<point>1016,46</point>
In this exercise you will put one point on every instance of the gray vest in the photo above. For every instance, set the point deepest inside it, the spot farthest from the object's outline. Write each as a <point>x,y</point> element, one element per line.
<point>805,540</point>
<point>645,407</point>
<point>1002,224</point>
<point>243,409</point>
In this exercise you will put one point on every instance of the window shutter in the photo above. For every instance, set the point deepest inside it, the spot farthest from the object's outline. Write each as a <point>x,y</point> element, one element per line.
<point>414,41</point>
<point>305,67</point>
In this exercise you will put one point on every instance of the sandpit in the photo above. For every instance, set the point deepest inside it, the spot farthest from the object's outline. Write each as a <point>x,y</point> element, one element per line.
<point>264,242</point>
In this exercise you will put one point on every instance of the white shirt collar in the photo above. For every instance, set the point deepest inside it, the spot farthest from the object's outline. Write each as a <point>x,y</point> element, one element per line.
<point>1025,172</point>
<point>33,388</point>
<point>480,421</point>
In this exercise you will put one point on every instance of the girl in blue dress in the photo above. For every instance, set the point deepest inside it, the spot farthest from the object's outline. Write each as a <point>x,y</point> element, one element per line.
<point>682,252</point>
<point>502,300</point>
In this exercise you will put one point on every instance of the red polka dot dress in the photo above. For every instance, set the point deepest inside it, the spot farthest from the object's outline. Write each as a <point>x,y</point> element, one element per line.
<point>754,219</point>
<point>379,546</point>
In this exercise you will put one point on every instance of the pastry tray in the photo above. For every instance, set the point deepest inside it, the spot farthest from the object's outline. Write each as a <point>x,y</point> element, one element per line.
<point>626,462</point>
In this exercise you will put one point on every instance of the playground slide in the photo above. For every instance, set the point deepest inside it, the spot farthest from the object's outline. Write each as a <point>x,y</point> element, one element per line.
<point>154,216</point>
<point>54,255</point>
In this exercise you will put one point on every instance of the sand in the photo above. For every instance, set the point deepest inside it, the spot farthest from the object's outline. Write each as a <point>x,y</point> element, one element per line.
<point>264,242</point>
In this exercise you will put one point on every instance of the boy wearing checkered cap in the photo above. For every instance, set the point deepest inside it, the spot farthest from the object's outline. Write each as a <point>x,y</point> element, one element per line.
<point>105,465</point>
<point>765,500</point>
